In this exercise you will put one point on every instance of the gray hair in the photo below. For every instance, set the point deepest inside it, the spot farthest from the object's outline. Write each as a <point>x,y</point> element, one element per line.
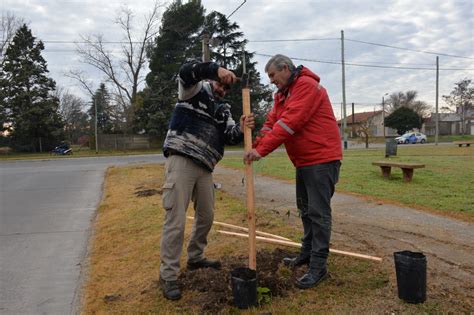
<point>279,61</point>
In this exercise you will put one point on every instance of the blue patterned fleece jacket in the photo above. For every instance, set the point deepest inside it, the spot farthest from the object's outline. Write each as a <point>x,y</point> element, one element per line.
<point>200,125</point>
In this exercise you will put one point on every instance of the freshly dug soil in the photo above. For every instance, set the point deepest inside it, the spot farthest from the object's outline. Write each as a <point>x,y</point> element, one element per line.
<point>214,286</point>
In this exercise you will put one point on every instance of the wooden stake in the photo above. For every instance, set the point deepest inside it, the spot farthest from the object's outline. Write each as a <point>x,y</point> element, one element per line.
<point>298,245</point>
<point>246,229</point>
<point>249,170</point>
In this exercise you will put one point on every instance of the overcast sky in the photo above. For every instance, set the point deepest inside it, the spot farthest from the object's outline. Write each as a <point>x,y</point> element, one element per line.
<point>444,27</point>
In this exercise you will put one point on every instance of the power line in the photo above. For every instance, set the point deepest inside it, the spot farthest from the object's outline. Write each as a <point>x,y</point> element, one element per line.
<point>367,65</point>
<point>278,40</point>
<point>79,42</point>
<point>236,9</point>
<point>396,63</point>
<point>85,42</point>
<point>409,49</point>
<point>292,40</point>
<point>359,41</point>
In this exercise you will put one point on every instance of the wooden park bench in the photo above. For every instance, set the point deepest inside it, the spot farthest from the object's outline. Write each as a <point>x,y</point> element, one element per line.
<point>460,143</point>
<point>406,167</point>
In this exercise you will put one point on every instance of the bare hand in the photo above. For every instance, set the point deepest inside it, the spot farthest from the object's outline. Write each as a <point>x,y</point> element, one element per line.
<point>251,155</point>
<point>226,76</point>
<point>247,121</point>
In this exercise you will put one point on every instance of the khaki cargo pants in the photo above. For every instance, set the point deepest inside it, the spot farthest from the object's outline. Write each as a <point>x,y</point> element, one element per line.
<point>185,181</point>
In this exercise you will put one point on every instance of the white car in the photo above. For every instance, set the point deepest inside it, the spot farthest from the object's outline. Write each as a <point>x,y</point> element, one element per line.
<point>412,137</point>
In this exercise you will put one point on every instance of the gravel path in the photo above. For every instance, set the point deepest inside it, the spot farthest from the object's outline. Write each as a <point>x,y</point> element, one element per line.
<point>379,229</point>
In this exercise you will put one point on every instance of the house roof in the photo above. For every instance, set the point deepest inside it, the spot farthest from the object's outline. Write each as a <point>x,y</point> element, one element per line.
<point>360,117</point>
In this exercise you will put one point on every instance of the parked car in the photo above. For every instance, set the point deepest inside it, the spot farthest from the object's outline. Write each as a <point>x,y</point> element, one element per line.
<point>412,137</point>
<point>62,149</point>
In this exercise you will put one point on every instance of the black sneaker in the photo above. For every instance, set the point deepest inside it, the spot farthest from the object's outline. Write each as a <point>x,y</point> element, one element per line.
<point>170,289</point>
<point>311,279</point>
<point>205,263</point>
<point>296,261</point>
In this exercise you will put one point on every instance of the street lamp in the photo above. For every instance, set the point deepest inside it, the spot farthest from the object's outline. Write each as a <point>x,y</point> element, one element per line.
<point>383,114</point>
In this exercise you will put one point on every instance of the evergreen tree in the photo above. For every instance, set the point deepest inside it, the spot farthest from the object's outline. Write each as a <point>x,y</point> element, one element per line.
<point>101,99</point>
<point>229,54</point>
<point>260,95</point>
<point>403,119</point>
<point>27,105</point>
<point>178,40</point>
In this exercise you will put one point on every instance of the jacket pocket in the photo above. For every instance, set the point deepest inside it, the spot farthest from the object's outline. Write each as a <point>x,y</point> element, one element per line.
<point>168,196</point>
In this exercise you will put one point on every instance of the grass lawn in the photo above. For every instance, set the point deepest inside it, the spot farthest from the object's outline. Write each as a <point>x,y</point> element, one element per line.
<point>84,152</point>
<point>445,185</point>
<point>76,153</point>
<point>123,266</point>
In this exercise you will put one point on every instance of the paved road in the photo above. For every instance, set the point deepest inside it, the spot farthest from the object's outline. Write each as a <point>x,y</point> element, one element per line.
<point>46,207</point>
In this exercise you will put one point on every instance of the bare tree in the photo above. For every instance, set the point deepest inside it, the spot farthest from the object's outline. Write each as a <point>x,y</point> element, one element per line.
<point>71,109</point>
<point>124,72</point>
<point>461,99</point>
<point>8,27</point>
<point>81,77</point>
<point>364,130</point>
<point>68,103</point>
<point>408,99</point>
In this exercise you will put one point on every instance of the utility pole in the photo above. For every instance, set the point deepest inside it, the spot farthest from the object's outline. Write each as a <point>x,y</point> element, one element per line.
<point>353,121</point>
<point>341,130</point>
<point>205,47</point>
<point>383,116</point>
<point>343,90</point>
<point>437,94</point>
<point>95,126</point>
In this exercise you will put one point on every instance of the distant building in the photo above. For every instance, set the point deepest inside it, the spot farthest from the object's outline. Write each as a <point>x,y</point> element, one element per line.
<point>449,124</point>
<point>373,120</point>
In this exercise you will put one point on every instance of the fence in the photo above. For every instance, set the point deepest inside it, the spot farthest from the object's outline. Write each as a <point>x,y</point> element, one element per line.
<point>126,142</point>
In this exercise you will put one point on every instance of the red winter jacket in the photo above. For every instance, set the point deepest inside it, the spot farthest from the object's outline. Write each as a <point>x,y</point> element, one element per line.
<point>302,118</point>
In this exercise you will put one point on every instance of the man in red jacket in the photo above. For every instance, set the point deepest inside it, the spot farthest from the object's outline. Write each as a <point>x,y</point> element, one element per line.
<point>303,120</point>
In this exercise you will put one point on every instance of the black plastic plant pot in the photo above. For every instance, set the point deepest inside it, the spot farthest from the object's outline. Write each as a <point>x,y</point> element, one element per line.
<point>244,287</point>
<point>411,276</point>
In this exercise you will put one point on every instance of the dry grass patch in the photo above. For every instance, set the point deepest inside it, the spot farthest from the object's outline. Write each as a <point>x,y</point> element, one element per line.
<point>125,250</point>
<point>123,268</point>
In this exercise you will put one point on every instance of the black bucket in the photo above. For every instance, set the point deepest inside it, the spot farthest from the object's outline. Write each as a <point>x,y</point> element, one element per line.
<point>411,276</point>
<point>244,287</point>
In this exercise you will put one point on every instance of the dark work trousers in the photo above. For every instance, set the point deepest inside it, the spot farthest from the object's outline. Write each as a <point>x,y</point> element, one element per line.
<point>314,188</point>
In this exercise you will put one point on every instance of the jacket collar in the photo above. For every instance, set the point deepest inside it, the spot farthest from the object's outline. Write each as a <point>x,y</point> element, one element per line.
<point>294,75</point>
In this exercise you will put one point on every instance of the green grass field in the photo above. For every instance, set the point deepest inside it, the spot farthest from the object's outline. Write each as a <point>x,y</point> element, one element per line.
<point>444,185</point>
<point>77,152</point>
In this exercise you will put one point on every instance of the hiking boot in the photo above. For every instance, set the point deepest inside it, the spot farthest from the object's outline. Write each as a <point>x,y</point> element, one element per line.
<point>311,279</point>
<point>300,260</point>
<point>205,263</point>
<point>170,289</point>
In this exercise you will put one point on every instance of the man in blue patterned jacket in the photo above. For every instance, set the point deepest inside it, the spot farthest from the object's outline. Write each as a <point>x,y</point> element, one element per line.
<point>200,127</point>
